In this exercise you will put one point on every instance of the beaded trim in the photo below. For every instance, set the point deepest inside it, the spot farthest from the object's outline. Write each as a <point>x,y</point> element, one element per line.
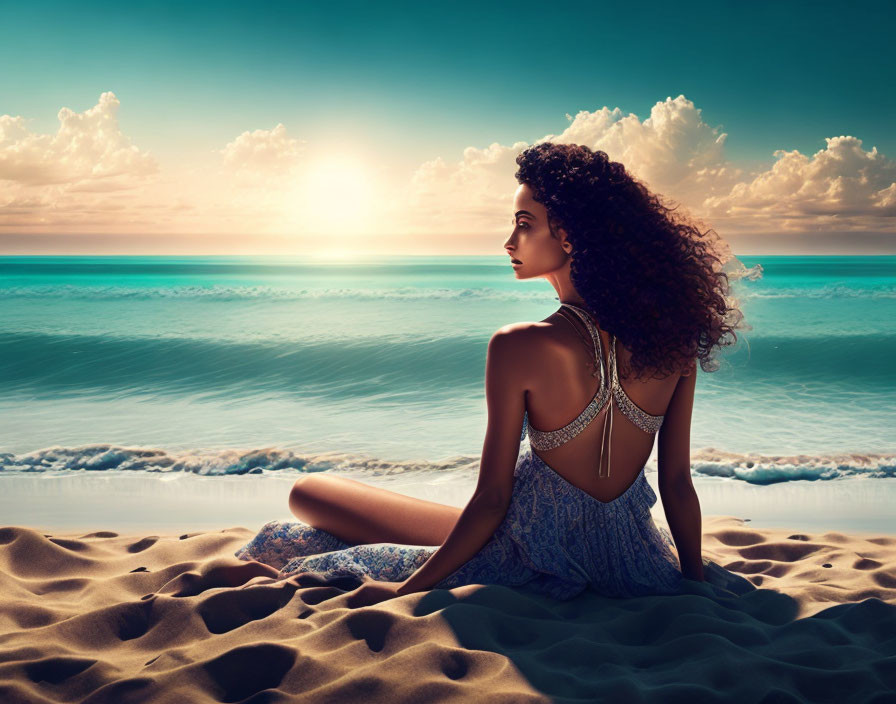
<point>645,421</point>
<point>548,440</point>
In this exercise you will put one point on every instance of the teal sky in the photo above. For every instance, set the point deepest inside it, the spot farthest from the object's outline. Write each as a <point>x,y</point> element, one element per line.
<point>429,81</point>
<point>346,127</point>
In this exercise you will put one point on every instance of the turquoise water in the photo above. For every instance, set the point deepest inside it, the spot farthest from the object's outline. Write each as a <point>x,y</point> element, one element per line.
<point>261,364</point>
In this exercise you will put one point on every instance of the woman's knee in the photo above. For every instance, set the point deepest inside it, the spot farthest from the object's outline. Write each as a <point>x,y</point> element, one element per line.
<point>306,491</point>
<point>299,493</point>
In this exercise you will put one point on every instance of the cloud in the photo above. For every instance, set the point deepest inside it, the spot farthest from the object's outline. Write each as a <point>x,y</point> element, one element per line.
<point>87,173</point>
<point>475,193</point>
<point>841,186</point>
<point>88,148</point>
<point>88,177</point>
<point>673,152</point>
<point>263,154</point>
<point>676,154</point>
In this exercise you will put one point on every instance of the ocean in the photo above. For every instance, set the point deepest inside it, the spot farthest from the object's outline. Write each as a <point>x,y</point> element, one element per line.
<point>223,365</point>
<point>239,365</point>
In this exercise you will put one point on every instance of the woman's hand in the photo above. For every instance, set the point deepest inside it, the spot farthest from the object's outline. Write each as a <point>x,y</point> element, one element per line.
<point>373,592</point>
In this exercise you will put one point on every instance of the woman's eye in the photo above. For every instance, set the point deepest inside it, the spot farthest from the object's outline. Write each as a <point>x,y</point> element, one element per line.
<point>520,224</point>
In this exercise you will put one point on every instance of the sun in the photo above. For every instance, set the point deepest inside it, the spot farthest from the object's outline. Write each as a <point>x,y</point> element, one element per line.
<point>334,195</point>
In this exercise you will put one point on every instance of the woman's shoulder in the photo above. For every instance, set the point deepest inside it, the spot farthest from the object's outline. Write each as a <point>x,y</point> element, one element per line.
<point>535,336</point>
<point>530,330</point>
<point>524,350</point>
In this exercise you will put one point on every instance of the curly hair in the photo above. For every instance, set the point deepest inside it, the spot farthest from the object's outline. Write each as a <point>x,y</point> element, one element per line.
<point>647,274</point>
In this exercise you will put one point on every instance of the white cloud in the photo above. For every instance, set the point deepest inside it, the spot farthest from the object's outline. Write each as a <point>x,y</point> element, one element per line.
<point>263,154</point>
<point>88,177</point>
<point>475,193</point>
<point>840,186</point>
<point>85,178</point>
<point>87,173</point>
<point>89,147</point>
<point>676,154</point>
<point>673,152</point>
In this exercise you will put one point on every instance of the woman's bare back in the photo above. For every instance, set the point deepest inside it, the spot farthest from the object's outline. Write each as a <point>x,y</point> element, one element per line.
<point>562,388</point>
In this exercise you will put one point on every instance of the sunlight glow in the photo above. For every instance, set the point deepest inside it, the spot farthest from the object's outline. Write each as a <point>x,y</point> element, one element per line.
<point>334,196</point>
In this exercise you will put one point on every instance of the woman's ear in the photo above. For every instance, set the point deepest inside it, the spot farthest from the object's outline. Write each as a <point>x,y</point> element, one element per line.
<point>561,235</point>
<point>564,242</point>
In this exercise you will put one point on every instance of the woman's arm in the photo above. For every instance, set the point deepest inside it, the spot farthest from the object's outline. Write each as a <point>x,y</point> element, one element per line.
<point>680,502</point>
<point>506,377</point>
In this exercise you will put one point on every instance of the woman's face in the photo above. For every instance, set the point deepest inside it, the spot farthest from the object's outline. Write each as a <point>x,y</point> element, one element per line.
<point>539,252</point>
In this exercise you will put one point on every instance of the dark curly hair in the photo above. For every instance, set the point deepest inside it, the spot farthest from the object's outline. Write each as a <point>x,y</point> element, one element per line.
<point>647,274</point>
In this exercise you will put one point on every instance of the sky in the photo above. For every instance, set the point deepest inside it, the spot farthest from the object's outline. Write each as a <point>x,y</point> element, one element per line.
<point>346,128</point>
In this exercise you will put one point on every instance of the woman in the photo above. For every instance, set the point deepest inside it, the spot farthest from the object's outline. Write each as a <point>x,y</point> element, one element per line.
<point>641,301</point>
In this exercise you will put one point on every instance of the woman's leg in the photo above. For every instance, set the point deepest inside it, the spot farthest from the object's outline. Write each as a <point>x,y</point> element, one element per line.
<point>359,513</point>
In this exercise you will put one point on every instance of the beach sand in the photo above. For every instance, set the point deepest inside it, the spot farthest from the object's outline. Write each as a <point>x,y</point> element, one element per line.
<point>105,617</point>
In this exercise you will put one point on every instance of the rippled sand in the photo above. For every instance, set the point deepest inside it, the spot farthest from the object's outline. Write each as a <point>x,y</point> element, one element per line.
<point>103,617</point>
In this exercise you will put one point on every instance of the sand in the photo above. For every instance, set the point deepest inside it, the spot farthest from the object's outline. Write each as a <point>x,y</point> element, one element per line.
<point>104,617</point>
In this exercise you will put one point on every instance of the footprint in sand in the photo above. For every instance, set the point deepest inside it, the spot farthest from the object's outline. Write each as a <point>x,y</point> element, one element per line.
<point>100,534</point>
<point>228,610</point>
<point>371,626</point>
<point>57,669</point>
<point>143,543</point>
<point>740,537</point>
<point>250,669</point>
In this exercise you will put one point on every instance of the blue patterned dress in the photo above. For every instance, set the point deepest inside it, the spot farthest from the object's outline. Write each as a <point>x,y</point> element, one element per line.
<point>554,539</point>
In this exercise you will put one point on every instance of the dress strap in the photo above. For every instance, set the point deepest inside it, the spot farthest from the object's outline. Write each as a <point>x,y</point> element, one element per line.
<point>607,430</point>
<point>595,340</point>
<point>637,415</point>
<point>609,417</point>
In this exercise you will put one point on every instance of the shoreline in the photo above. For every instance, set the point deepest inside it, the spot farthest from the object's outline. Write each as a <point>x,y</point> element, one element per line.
<point>171,502</point>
